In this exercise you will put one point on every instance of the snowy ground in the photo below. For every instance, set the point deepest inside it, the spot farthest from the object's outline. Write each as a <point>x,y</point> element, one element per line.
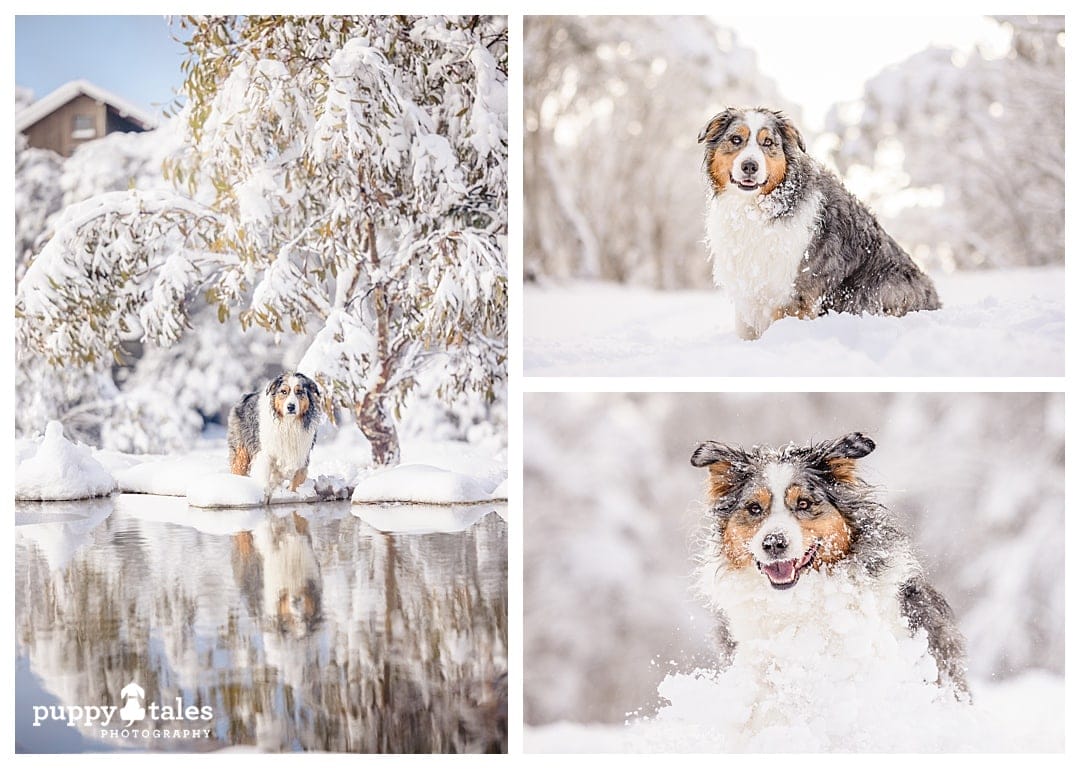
<point>1000,323</point>
<point>1024,714</point>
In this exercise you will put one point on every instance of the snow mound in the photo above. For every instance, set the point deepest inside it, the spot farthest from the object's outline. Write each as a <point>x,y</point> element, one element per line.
<point>422,484</point>
<point>167,477</point>
<point>228,490</point>
<point>59,470</point>
<point>421,519</point>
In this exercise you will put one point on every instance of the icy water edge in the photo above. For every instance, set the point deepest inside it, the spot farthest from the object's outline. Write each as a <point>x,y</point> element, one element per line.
<point>282,629</point>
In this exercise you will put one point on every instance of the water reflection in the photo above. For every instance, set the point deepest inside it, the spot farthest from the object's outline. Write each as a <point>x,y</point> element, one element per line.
<point>303,629</point>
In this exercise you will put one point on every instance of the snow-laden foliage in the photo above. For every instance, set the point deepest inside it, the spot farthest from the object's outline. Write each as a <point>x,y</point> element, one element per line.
<point>977,480</point>
<point>613,105</point>
<point>342,177</point>
<point>982,140</point>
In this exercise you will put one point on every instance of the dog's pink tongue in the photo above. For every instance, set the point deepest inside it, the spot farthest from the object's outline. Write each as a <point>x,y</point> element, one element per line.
<point>780,571</point>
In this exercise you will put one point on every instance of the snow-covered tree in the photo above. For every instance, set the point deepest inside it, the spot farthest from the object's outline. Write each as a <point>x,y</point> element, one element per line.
<point>613,106</point>
<point>982,142</point>
<point>343,177</point>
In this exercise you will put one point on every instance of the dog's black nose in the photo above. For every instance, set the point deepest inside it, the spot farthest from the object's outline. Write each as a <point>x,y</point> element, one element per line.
<point>774,544</point>
<point>291,408</point>
<point>749,166</point>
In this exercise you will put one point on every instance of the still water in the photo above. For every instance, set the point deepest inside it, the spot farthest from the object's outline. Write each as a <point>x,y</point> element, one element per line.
<point>320,627</point>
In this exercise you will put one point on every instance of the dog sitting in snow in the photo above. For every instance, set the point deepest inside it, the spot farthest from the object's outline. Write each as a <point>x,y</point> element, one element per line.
<point>271,433</point>
<point>798,549</point>
<point>786,238</point>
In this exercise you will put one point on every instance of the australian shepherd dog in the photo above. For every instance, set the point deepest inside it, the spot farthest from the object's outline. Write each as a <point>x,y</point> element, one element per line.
<point>796,541</point>
<point>271,433</point>
<point>786,238</point>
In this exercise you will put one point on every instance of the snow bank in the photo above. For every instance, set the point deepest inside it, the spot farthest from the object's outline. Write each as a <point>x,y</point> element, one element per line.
<point>422,519</point>
<point>58,469</point>
<point>994,323</point>
<point>422,484</point>
<point>166,476</point>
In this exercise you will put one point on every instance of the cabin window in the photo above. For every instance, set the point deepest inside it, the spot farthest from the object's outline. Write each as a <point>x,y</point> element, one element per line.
<point>82,127</point>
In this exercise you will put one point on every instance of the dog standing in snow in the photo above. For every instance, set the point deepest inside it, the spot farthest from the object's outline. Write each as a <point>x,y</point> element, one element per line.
<point>816,586</point>
<point>786,238</point>
<point>271,433</point>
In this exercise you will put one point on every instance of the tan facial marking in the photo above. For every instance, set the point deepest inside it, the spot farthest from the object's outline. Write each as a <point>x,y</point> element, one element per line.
<point>741,528</point>
<point>832,532</point>
<point>736,541</point>
<point>775,161</point>
<point>723,157</point>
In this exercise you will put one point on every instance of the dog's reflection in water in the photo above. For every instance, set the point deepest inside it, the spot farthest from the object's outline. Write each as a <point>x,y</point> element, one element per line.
<point>278,573</point>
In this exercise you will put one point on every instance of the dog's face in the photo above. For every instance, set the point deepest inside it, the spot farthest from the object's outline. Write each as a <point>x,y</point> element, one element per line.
<point>779,510</point>
<point>292,395</point>
<point>748,150</point>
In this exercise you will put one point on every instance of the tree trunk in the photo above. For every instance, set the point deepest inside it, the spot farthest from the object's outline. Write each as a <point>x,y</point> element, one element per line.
<point>377,425</point>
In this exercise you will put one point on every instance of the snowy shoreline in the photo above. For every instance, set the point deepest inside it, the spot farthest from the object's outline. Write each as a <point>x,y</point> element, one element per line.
<point>449,473</point>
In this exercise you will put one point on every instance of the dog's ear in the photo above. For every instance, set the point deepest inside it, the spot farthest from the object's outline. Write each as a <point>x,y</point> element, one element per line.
<point>837,458</point>
<point>715,128</point>
<point>273,385</point>
<point>792,137</point>
<point>315,393</point>
<point>727,466</point>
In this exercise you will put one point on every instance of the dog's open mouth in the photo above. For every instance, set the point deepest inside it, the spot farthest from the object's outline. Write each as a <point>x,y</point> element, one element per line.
<point>784,574</point>
<point>747,185</point>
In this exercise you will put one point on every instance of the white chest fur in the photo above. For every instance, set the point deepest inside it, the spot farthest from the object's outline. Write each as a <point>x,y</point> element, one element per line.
<point>756,258</point>
<point>284,445</point>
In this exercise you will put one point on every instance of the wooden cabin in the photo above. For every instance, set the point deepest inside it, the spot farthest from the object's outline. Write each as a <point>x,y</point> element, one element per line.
<point>76,113</point>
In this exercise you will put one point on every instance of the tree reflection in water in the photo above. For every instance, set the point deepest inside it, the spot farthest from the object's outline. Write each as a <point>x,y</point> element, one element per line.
<point>306,629</point>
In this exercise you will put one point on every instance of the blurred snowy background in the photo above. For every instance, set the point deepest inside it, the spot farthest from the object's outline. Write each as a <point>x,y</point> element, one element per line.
<point>928,120</point>
<point>612,505</point>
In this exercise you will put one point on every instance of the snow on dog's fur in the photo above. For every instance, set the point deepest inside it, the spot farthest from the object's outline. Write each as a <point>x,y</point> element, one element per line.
<point>818,592</point>
<point>786,238</point>
<point>271,433</point>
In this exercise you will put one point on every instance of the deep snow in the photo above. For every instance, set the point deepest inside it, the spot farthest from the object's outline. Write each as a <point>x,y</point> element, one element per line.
<point>1022,714</point>
<point>994,323</point>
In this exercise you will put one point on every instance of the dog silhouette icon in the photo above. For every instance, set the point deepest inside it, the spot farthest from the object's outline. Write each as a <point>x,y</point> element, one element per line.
<point>132,710</point>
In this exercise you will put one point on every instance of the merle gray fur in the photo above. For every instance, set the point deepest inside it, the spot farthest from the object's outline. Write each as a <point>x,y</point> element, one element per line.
<point>851,265</point>
<point>876,541</point>
<point>243,427</point>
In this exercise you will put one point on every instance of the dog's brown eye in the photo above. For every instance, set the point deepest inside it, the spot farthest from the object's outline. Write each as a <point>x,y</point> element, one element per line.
<point>802,504</point>
<point>767,143</point>
<point>736,140</point>
<point>753,508</point>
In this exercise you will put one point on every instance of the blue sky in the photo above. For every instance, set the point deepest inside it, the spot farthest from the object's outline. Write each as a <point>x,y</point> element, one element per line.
<point>135,57</point>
